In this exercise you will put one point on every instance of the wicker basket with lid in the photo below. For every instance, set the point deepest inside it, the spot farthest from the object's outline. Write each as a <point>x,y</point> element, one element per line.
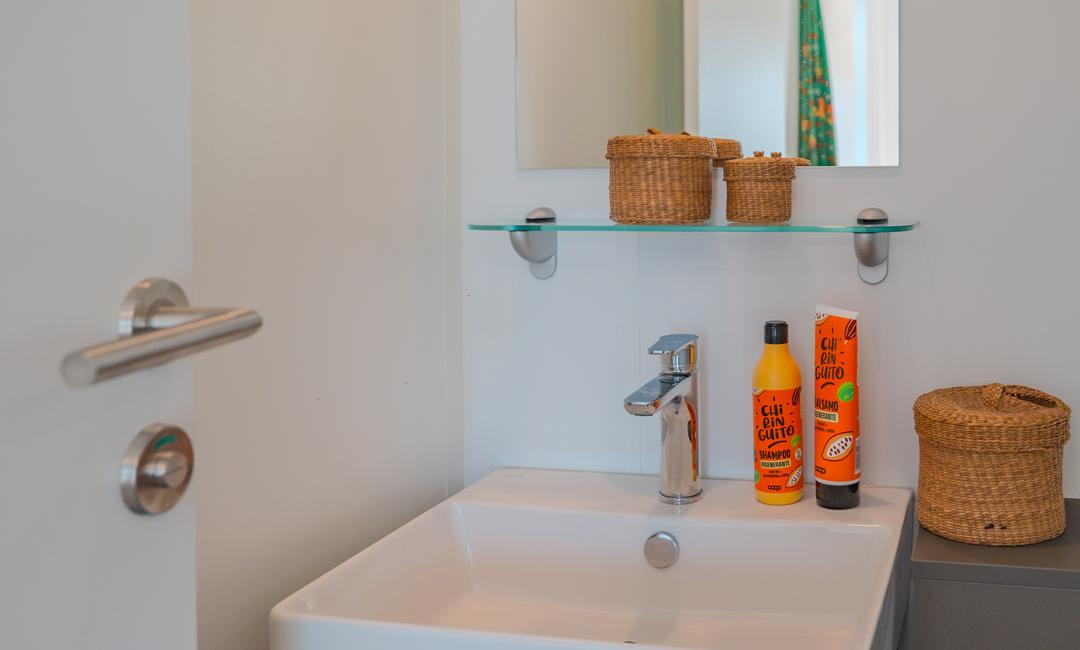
<point>659,178</point>
<point>726,150</point>
<point>990,464</point>
<point>759,187</point>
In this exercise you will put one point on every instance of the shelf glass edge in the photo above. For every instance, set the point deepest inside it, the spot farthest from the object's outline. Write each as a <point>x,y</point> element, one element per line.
<point>609,226</point>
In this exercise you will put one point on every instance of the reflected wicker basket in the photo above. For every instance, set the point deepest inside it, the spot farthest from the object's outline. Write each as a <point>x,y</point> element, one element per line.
<point>726,150</point>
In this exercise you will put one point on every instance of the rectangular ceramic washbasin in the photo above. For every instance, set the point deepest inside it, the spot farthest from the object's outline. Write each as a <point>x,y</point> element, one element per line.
<point>536,559</point>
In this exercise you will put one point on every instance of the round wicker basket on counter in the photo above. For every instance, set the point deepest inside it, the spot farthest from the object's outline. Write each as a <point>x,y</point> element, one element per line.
<point>759,188</point>
<point>990,464</point>
<point>661,178</point>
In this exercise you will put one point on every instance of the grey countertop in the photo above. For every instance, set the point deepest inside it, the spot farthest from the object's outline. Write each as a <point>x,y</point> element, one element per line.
<point>1054,564</point>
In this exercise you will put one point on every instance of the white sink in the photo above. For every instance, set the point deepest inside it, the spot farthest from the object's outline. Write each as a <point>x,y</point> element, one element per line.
<point>531,559</point>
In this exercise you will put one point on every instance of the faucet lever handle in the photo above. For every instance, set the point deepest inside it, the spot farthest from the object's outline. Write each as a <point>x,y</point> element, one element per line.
<point>679,355</point>
<point>672,343</point>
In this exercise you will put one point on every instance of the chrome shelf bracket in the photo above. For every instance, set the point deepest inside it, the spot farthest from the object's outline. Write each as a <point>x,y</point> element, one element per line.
<point>539,248</point>
<point>872,249</point>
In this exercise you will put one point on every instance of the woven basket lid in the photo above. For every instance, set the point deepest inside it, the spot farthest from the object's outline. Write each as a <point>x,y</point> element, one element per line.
<point>656,144</point>
<point>760,166</point>
<point>992,418</point>
<point>726,150</point>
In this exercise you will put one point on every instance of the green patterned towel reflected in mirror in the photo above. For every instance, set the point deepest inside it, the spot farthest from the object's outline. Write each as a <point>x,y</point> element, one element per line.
<point>817,135</point>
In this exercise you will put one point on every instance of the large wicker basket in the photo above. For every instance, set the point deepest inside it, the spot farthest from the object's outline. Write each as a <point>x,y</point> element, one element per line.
<point>661,179</point>
<point>759,188</point>
<point>990,464</point>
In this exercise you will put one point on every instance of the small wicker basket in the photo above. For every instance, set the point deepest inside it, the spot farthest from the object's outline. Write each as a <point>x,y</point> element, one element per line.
<point>759,188</point>
<point>990,464</point>
<point>660,178</point>
<point>726,150</point>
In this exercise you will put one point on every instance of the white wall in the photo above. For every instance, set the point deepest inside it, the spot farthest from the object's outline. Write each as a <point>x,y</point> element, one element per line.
<point>320,197</point>
<point>845,45</point>
<point>860,36</point>
<point>984,291</point>
<point>747,72</point>
<point>590,70</point>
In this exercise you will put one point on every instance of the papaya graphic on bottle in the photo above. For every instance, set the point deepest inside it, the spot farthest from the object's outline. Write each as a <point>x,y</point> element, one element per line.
<point>838,447</point>
<point>777,397</point>
<point>836,407</point>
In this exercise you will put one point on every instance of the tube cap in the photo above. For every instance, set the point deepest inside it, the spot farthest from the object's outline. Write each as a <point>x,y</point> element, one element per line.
<point>775,332</point>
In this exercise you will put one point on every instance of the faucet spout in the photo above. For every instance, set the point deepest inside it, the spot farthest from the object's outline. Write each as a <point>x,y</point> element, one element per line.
<point>657,393</point>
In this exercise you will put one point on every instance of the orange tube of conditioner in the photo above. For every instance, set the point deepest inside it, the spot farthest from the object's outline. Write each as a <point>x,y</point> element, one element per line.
<point>836,407</point>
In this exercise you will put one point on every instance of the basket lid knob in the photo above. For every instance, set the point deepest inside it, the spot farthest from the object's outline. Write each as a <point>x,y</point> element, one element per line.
<point>776,154</point>
<point>759,154</point>
<point>992,395</point>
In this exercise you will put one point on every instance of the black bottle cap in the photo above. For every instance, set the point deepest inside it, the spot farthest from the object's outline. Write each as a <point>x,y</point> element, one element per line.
<point>775,332</point>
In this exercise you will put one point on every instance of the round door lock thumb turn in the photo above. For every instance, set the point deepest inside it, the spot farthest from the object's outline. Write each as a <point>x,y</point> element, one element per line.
<point>156,469</point>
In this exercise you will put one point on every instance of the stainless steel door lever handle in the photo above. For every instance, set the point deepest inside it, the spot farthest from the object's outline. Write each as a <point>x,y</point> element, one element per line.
<point>156,326</point>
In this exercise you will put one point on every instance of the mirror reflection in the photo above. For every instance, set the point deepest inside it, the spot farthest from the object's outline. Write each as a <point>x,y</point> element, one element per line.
<point>814,78</point>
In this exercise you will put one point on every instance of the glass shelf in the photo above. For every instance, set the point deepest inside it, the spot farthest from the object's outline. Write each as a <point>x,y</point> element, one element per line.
<point>604,225</point>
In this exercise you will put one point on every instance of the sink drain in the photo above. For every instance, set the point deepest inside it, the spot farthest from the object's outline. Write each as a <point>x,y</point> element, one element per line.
<point>661,551</point>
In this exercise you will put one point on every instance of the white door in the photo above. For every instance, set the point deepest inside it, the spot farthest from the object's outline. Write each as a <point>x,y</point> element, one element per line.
<point>95,189</point>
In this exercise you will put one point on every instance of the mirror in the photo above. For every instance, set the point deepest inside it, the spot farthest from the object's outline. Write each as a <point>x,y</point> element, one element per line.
<point>818,79</point>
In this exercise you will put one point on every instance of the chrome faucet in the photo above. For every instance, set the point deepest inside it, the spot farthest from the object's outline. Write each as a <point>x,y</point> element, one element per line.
<point>674,393</point>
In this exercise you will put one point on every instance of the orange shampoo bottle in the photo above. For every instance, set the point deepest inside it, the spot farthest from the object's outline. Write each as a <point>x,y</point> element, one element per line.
<point>778,447</point>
